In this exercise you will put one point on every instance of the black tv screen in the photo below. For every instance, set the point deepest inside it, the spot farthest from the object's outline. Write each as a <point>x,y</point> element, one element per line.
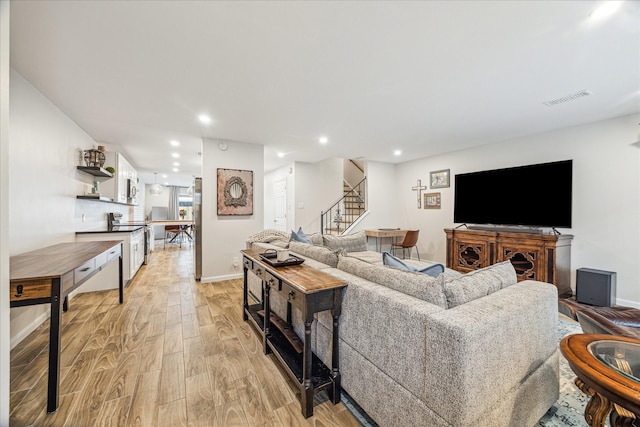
<point>534,195</point>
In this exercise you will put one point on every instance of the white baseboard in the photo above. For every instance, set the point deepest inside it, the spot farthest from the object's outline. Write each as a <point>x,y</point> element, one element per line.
<point>627,303</point>
<point>221,278</point>
<point>30,328</point>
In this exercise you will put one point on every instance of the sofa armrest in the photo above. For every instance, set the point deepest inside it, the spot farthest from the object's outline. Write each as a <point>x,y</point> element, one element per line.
<point>479,351</point>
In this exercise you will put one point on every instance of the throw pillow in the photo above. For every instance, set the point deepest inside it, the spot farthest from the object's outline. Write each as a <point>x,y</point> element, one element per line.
<point>479,283</point>
<point>299,236</point>
<point>433,270</point>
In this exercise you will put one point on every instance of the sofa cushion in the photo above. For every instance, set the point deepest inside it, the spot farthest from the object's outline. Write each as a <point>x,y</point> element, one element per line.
<point>418,285</point>
<point>433,270</point>
<point>479,283</point>
<point>356,242</point>
<point>318,253</point>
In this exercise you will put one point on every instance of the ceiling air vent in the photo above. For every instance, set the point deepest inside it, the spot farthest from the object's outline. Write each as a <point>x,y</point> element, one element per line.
<point>568,98</point>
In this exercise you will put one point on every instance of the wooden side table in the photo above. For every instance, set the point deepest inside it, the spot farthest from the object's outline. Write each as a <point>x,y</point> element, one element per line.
<point>311,291</point>
<point>608,370</point>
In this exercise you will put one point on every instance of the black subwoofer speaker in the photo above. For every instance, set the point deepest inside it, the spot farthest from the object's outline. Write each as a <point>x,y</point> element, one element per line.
<point>596,287</point>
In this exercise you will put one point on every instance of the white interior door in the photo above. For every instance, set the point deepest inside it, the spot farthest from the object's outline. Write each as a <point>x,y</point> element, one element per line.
<point>280,205</point>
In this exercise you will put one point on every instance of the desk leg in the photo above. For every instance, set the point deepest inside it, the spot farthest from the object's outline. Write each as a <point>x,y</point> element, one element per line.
<point>121,281</point>
<point>54,345</point>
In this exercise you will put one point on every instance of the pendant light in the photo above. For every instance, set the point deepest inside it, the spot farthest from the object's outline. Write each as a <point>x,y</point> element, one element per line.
<point>155,188</point>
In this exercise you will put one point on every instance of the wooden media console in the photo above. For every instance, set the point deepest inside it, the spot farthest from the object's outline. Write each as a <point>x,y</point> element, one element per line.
<point>535,256</point>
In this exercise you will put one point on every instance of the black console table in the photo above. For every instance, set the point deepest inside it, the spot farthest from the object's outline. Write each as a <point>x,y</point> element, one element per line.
<point>311,291</point>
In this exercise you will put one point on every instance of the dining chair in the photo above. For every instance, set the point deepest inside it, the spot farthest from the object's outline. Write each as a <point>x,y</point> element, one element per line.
<point>410,241</point>
<point>173,232</point>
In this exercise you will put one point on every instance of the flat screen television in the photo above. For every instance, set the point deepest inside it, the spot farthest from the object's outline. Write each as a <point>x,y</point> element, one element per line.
<point>534,195</point>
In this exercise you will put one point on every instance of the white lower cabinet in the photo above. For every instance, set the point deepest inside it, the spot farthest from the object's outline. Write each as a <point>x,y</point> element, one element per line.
<point>133,250</point>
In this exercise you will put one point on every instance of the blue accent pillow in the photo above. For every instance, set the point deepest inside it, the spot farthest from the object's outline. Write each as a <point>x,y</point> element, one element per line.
<point>299,236</point>
<point>433,270</point>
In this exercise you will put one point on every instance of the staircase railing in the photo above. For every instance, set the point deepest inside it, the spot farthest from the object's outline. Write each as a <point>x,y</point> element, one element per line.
<point>345,211</point>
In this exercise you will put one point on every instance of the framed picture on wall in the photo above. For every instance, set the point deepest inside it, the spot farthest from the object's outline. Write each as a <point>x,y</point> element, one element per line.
<point>432,201</point>
<point>235,192</point>
<point>439,179</point>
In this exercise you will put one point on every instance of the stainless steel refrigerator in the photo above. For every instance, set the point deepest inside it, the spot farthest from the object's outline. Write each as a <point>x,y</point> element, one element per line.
<point>197,227</point>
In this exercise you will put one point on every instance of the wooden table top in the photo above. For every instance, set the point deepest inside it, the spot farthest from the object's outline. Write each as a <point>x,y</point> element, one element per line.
<point>306,279</point>
<point>384,232</point>
<point>57,260</point>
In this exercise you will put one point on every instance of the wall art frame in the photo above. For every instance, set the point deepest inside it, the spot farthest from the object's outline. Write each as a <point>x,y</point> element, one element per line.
<point>440,179</point>
<point>432,200</point>
<point>235,192</point>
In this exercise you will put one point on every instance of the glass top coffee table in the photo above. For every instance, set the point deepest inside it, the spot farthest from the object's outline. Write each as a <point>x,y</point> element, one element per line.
<point>607,369</point>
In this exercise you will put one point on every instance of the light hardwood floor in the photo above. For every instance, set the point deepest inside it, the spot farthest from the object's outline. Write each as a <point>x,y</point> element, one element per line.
<point>176,353</point>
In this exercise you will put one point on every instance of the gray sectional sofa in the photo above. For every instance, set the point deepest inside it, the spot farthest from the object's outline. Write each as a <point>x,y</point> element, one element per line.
<point>457,350</point>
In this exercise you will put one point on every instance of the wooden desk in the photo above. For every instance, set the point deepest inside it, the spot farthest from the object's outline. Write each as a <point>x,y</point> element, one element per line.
<point>610,390</point>
<point>312,291</point>
<point>381,233</point>
<point>47,276</point>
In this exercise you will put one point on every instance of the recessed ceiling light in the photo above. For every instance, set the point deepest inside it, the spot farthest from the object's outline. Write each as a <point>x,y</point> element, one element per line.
<point>176,164</point>
<point>204,119</point>
<point>166,183</point>
<point>280,154</point>
<point>323,140</point>
<point>175,143</point>
<point>175,155</point>
<point>175,169</point>
<point>607,8</point>
<point>164,176</point>
<point>397,152</point>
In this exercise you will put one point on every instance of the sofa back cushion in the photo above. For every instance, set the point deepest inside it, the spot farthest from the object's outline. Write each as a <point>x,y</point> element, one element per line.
<point>418,285</point>
<point>318,253</point>
<point>479,283</point>
<point>356,242</point>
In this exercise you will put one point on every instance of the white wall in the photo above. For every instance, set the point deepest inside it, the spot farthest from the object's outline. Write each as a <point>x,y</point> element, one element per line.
<point>5,342</point>
<point>606,194</point>
<point>381,196</point>
<point>317,187</point>
<point>224,236</point>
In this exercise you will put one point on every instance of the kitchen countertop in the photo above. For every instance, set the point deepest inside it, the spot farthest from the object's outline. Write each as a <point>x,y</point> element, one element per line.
<point>118,229</point>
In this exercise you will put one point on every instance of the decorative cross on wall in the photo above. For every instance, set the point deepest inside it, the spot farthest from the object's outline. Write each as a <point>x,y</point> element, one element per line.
<point>419,187</point>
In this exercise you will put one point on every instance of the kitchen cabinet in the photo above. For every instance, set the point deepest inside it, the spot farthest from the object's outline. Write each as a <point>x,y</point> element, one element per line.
<point>133,247</point>
<point>123,188</point>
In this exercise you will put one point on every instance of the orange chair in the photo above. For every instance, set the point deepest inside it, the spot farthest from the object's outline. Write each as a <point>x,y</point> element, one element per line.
<point>410,241</point>
<point>172,231</point>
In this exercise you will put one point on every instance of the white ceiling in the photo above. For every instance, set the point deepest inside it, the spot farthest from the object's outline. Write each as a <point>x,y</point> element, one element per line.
<point>424,77</point>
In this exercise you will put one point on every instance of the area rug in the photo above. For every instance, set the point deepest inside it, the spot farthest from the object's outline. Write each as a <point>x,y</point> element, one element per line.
<point>567,411</point>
